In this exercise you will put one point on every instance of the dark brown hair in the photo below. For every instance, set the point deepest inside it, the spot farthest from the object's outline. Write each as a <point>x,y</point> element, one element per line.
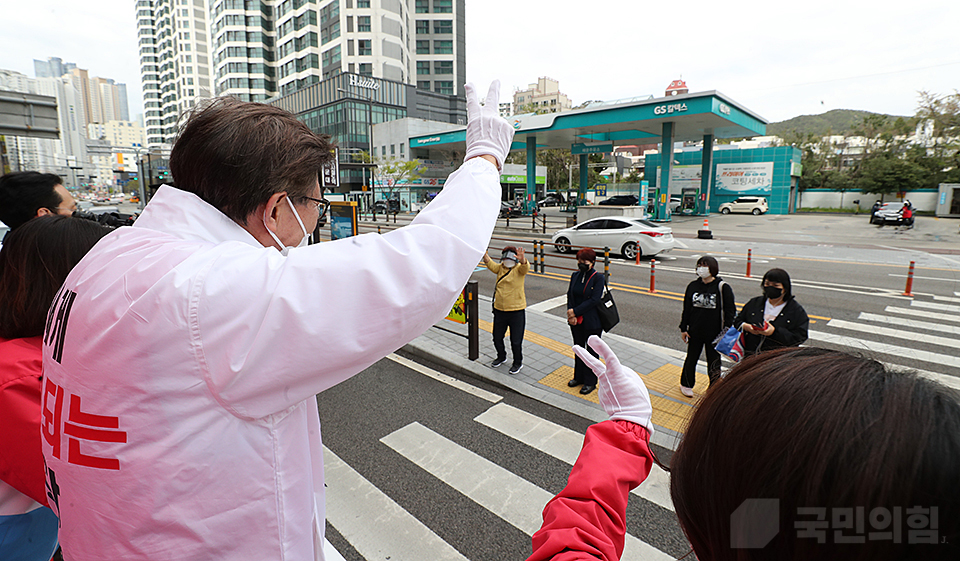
<point>587,254</point>
<point>235,155</point>
<point>35,260</point>
<point>23,193</point>
<point>816,428</point>
<point>710,263</point>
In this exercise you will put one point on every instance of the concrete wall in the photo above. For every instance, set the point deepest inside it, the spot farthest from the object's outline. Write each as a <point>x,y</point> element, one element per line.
<point>924,201</point>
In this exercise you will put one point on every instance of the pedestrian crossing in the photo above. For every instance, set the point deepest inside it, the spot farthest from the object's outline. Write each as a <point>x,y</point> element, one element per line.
<point>379,528</point>
<point>924,337</point>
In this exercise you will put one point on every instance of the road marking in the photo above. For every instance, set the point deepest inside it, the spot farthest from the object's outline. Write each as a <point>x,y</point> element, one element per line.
<point>935,306</point>
<point>448,380</point>
<point>564,445</point>
<point>946,299</point>
<point>928,315</point>
<point>923,278</point>
<point>355,507</point>
<point>884,348</point>
<point>549,304</point>
<point>512,498</point>
<point>897,333</point>
<point>840,261</point>
<point>951,329</point>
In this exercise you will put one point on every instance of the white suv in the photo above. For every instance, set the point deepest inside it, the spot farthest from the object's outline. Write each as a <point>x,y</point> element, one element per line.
<point>755,205</point>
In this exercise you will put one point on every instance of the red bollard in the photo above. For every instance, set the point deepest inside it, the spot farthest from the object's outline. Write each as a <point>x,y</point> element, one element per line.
<point>749,258</point>
<point>638,253</point>
<point>908,292</point>
<point>653,276</point>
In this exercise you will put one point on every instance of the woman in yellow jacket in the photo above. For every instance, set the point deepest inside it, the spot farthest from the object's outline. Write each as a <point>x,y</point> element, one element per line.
<point>509,304</point>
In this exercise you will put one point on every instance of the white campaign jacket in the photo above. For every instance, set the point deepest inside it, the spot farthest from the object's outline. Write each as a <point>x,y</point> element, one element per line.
<point>182,357</point>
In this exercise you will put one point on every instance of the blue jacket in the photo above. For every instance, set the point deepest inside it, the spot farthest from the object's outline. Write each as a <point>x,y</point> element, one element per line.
<point>583,297</point>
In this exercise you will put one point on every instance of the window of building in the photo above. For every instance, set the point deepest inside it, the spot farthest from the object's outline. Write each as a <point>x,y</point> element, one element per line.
<point>366,69</point>
<point>363,3</point>
<point>401,148</point>
<point>442,26</point>
<point>364,48</point>
<point>423,47</point>
<point>393,149</point>
<point>423,85</point>
<point>445,87</point>
<point>442,47</point>
<point>423,6</point>
<point>423,27</point>
<point>423,67</point>
<point>383,150</point>
<point>443,67</point>
<point>443,6</point>
<point>363,23</point>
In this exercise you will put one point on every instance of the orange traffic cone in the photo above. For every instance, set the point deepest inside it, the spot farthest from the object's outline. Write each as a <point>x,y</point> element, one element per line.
<point>705,233</point>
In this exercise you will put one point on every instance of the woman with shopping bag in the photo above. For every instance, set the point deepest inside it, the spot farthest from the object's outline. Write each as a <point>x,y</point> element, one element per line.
<point>708,309</point>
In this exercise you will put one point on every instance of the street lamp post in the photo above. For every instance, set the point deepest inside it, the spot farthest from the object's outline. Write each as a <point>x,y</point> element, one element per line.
<point>140,177</point>
<point>373,191</point>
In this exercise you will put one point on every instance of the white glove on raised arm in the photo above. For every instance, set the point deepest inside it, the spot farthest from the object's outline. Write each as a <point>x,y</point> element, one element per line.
<point>488,134</point>
<point>623,394</point>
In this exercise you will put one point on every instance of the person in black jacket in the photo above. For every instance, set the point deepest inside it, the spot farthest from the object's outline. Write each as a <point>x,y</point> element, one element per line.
<point>583,299</point>
<point>708,310</point>
<point>775,319</point>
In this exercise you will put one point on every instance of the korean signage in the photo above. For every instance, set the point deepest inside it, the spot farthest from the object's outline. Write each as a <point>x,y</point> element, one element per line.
<point>591,148</point>
<point>745,179</point>
<point>330,172</point>
<point>522,179</point>
<point>670,108</point>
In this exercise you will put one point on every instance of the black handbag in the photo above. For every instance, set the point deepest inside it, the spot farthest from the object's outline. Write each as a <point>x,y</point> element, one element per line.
<point>609,316</point>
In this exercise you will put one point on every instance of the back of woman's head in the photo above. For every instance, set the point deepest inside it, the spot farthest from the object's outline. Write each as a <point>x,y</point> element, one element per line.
<point>834,440</point>
<point>34,261</point>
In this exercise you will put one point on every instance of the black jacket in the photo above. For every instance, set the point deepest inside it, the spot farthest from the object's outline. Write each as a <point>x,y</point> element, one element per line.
<point>789,327</point>
<point>701,309</point>
<point>584,295</point>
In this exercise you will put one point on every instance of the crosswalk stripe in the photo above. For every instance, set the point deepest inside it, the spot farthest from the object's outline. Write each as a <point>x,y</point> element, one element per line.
<point>934,306</point>
<point>884,348</point>
<point>549,304</point>
<point>564,445</point>
<point>945,298</point>
<point>355,507</point>
<point>896,333</point>
<point>512,498</point>
<point>913,324</point>
<point>924,314</point>
<point>448,380</point>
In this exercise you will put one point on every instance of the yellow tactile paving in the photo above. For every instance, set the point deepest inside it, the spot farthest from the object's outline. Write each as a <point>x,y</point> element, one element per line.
<point>529,336</point>
<point>558,380</point>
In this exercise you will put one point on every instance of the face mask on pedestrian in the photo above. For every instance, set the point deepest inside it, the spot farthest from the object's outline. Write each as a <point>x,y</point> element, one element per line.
<point>303,241</point>
<point>584,267</point>
<point>703,272</point>
<point>772,292</point>
<point>508,263</point>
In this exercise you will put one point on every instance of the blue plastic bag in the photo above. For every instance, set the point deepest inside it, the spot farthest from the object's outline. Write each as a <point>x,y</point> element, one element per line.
<point>730,344</point>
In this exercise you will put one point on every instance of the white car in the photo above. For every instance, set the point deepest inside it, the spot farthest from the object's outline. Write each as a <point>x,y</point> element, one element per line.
<point>753,205</point>
<point>621,234</point>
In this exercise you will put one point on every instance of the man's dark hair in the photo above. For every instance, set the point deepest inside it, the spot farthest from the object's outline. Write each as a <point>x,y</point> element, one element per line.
<point>34,261</point>
<point>23,193</point>
<point>235,155</point>
<point>818,429</point>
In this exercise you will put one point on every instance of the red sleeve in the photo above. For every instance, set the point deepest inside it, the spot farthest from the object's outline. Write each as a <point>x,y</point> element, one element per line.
<point>587,520</point>
<point>21,459</point>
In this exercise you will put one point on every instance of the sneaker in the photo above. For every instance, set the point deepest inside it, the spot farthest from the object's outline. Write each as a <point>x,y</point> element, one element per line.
<point>497,362</point>
<point>686,391</point>
<point>515,368</point>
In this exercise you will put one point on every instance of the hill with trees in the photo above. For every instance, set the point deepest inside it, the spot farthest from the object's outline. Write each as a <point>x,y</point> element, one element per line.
<point>838,121</point>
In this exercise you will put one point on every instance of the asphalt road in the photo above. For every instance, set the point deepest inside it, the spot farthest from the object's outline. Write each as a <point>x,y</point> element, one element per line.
<point>361,420</point>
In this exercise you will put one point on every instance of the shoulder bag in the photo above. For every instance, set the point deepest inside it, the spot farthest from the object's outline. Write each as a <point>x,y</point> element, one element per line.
<point>609,316</point>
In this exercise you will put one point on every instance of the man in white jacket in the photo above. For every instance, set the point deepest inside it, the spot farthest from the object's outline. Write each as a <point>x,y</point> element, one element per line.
<point>183,354</point>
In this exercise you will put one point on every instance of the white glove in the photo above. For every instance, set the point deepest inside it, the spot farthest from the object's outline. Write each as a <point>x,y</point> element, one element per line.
<point>488,134</point>
<point>622,393</point>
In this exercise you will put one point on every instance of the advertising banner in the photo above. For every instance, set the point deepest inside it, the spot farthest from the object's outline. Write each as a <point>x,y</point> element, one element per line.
<point>745,179</point>
<point>458,313</point>
<point>682,177</point>
<point>343,219</point>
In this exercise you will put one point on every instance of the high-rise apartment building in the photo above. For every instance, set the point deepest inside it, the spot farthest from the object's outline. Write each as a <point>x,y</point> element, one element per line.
<point>175,62</point>
<point>53,67</point>
<point>543,97</point>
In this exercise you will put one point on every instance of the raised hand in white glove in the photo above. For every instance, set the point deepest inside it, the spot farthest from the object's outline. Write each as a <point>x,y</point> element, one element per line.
<point>623,394</point>
<point>488,134</point>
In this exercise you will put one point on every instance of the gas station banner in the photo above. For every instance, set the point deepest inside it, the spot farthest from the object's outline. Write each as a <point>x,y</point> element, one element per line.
<point>681,177</point>
<point>745,179</point>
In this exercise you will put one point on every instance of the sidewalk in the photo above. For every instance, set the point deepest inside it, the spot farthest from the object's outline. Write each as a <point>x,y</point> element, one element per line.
<point>548,365</point>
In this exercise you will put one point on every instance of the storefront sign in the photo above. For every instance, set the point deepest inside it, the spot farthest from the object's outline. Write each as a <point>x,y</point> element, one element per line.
<point>603,148</point>
<point>670,108</point>
<point>363,82</point>
<point>521,179</point>
<point>745,179</point>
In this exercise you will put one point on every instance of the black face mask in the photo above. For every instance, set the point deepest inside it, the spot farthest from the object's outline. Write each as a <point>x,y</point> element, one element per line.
<point>583,267</point>
<point>772,292</point>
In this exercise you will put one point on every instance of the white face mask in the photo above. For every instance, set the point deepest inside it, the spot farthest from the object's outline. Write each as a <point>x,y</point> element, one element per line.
<point>508,263</point>
<point>303,241</point>
<point>703,272</point>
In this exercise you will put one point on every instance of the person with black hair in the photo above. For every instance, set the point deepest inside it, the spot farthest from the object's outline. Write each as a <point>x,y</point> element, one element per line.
<point>708,310</point>
<point>28,194</point>
<point>775,319</point>
<point>509,304</point>
<point>583,301</point>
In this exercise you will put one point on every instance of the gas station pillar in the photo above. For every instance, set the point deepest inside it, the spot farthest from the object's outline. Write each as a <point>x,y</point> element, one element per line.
<point>706,175</point>
<point>584,174</point>
<point>666,166</point>
<point>531,173</point>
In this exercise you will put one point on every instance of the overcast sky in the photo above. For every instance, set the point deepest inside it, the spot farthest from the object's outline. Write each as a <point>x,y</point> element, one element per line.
<point>778,59</point>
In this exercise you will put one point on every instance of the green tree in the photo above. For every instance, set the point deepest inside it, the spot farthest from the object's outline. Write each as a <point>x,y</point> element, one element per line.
<point>887,174</point>
<point>390,173</point>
